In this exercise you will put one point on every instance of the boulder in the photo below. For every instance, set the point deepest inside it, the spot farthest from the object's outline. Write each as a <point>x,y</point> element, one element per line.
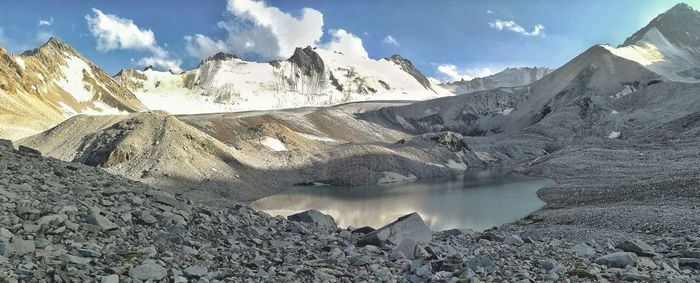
<point>409,226</point>
<point>6,144</point>
<point>29,151</point>
<point>110,279</point>
<point>17,247</point>
<point>411,250</point>
<point>101,221</point>
<point>513,240</point>
<point>149,271</point>
<point>618,259</point>
<point>314,217</point>
<point>638,247</point>
<point>196,271</point>
<point>582,250</point>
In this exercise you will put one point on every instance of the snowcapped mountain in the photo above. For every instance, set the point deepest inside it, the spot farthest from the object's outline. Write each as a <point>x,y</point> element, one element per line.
<point>669,45</point>
<point>511,77</point>
<point>310,77</point>
<point>42,87</point>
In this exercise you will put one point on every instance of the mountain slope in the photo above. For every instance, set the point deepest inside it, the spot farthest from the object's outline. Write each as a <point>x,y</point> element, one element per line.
<point>669,45</point>
<point>511,77</point>
<point>310,77</point>
<point>43,87</point>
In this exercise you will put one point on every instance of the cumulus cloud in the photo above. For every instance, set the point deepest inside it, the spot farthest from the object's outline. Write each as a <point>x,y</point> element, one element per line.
<point>346,43</point>
<point>201,46</point>
<point>258,28</point>
<point>391,40</point>
<point>255,27</point>
<point>538,30</point>
<point>113,33</point>
<point>46,23</point>
<point>489,12</point>
<point>453,73</point>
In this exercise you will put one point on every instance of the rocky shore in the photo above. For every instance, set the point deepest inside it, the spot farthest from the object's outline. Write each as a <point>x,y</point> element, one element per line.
<point>66,222</point>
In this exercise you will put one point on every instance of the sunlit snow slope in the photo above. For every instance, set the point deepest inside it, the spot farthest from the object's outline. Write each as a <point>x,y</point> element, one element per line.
<point>311,77</point>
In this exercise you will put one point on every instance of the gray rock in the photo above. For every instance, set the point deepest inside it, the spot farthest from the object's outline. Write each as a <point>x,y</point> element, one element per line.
<point>582,250</point>
<point>314,217</point>
<point>146,217</point>
<point>618,259</point>
<point>17,247</point>
<point>53,218</point>
<point>196,271</point>
<point>692,253</point>
<point>29,151</point>
<point>7,144</point>
<point>410,226</point>
<point>75,259</point>
<point>101,221</point>
<point>149,271</point>
<point>513,240</point>
<point>110,279</point>
<point>638,247</point>
<point>411,250</point>
<point>689,263</point>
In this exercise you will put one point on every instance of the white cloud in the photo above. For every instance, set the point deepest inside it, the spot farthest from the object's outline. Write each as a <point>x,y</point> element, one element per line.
<point>346,43</point>
<point>391,40</point>
<point>261,29</point>
<point>538,30</point>
<point>489,12</point>
<point>201,46</point>
<point>453,73</point>
<point>255,27</point>
<point>113,32</point>
<point>47,23</point>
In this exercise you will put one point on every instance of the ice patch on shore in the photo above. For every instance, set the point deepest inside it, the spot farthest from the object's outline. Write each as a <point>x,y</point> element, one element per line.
<point>484,156</point>
<point>456,165</point>
<point>393,177</point>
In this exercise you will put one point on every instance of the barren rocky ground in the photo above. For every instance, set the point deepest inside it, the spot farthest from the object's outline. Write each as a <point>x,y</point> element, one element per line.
<point>66,222</point>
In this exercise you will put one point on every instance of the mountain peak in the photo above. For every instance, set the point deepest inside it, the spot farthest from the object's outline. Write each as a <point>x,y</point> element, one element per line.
<point>54,44</point>
<point>308,60</point>
<point>680,25</point>
<point>408,67</point>
<point>222,56</point>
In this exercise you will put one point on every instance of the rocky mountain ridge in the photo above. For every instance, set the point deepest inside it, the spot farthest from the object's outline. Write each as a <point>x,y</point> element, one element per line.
<point>510,77</point>
<point>44,86</point>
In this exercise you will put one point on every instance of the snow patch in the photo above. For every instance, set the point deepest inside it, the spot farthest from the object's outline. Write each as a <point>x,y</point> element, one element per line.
<point>317,138</point>
<point>506,111</point>
<point>274,144</point>
<point>614,135</point>
<point>614,112</point>
<point>73,81</point>
<point>393,177</point>
<point>21,62</point>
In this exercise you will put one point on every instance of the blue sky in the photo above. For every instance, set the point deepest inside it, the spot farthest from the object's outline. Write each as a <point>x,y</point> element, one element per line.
<point>444,39</point>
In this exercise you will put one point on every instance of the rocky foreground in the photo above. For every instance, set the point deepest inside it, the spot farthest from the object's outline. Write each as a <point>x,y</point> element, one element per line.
<point>65,222</point>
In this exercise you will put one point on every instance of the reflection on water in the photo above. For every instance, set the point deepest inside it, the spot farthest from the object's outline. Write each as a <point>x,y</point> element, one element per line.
<point>477,200</point>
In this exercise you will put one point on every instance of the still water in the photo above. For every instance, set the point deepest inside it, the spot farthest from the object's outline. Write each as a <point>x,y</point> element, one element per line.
<point>475,200</point>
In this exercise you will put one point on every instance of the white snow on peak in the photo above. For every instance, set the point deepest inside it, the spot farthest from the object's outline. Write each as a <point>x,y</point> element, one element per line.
<point>73,80</point>
<point>238,85</point>
<point>21,62</point>
<point>659,55</point>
